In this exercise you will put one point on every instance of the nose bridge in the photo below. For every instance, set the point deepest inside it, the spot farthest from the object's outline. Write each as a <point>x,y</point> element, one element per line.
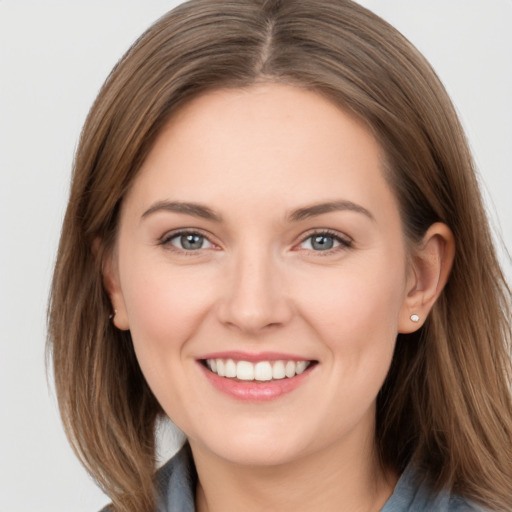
<point>255,297</point>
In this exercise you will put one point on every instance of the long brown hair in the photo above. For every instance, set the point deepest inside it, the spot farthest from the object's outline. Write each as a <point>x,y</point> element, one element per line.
<point>446,403</point>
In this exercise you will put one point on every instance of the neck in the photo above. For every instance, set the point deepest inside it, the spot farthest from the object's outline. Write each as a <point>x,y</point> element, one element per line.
<point>341,479</point>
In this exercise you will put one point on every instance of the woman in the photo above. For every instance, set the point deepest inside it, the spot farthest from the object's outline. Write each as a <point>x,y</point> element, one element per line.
<point>275,238</point>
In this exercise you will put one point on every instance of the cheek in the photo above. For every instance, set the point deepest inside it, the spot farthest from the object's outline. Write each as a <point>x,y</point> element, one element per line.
<point>356,307</point>
<point>164,305</point>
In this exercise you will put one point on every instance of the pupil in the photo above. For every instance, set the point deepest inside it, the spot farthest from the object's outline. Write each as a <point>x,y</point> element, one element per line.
<point>322,243</point>
<point>190,242</point>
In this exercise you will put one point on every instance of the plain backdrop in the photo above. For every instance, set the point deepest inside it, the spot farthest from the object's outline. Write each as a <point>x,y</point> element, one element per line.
<point>54,56</point>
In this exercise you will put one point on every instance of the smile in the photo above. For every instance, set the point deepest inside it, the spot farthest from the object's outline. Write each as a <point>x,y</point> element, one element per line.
<point>262,371</point>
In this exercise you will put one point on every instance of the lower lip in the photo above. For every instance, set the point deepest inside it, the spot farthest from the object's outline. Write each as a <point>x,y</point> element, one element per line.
<point>254,391</point>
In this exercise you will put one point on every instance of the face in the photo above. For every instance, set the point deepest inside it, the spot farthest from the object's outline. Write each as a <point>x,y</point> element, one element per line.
<point>261,269</point>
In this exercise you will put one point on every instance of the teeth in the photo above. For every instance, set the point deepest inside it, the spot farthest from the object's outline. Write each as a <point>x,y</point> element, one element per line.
<point>261,371</point>
<point>290,368</point>
<point>301,366</point>
<point>230,368</point>
<point>278,371</point>
<point>244,370</point>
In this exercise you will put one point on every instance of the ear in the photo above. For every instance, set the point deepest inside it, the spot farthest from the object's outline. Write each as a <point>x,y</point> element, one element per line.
<point>430,265</point>
<point>112,285</point>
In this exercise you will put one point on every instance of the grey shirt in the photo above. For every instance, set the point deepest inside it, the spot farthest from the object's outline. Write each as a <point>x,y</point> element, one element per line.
<point>177,480</point>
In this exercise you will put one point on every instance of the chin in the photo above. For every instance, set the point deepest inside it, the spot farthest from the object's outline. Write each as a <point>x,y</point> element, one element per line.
<point>257,456</point>
<point>253,450</point>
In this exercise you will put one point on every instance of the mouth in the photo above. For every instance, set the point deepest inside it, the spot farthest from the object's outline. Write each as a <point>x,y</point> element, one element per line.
<point>260,371</point>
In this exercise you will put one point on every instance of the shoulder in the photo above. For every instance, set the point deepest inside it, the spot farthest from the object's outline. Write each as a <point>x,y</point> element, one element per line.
<point>175,484</point>
<point>458,504</point>
<point>412,492</point>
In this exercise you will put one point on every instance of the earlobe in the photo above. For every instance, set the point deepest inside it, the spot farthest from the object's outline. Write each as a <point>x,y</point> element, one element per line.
<point>111,282</point>
<point>431,264</point>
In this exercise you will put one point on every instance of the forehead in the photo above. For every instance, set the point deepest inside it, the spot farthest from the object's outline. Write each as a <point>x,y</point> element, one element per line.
<point>270,117</point>
<point>265,143</point>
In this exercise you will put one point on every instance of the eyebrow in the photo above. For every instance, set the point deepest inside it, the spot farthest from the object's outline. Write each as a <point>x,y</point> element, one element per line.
<point>199,210</point>
<point>332,206</point>
<point>194,209</point>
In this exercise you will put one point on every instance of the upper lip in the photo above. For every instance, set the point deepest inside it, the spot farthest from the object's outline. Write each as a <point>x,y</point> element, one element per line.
<point>254,357</point>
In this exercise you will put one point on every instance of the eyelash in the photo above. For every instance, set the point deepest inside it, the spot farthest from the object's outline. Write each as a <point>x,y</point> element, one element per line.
<point>168,237</point>
<point>344,242</point>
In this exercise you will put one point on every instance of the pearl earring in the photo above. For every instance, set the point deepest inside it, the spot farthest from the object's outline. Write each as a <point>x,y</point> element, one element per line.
<point>112,315</point>
<point>415,318</point>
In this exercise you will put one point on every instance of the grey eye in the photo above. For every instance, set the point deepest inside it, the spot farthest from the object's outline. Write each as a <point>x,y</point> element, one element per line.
<point>190,241</point>
<point>322,242</point>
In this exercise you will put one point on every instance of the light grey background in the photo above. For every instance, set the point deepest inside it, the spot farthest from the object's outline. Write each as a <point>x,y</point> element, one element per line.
<point>54,56</point>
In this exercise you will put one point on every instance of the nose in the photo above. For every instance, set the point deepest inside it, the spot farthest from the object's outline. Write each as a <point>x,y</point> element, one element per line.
<point>255,298</point>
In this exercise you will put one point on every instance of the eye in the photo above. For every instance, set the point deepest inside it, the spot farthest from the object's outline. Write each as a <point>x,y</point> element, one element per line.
<point>324,241</point>
<point>188,241</point>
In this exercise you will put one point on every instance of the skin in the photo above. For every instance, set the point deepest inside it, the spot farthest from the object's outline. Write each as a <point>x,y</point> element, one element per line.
<point>257,284</point>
